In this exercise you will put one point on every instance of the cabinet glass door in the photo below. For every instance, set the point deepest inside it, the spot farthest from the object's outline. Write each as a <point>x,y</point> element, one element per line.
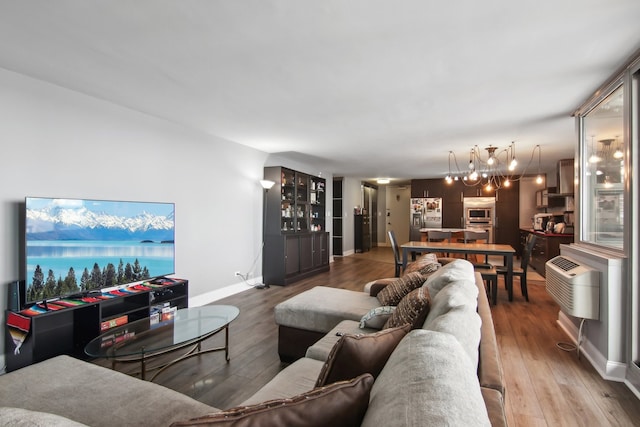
<point>288,188</point>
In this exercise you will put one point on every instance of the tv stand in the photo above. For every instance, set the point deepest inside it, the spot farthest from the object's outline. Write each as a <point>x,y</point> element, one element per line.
<point>69,324</point>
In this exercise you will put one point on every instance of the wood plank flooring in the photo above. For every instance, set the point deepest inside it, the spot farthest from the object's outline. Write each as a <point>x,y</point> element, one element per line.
<point>546,386</point>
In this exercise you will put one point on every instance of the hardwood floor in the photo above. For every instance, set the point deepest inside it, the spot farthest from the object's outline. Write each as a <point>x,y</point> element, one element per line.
<point>546,386</point>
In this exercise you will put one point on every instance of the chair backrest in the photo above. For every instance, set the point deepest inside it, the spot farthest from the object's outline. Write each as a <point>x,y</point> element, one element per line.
<point>474,236</point>
<point>394,246</point>
<point>438,236</point>
<point>526,251</point>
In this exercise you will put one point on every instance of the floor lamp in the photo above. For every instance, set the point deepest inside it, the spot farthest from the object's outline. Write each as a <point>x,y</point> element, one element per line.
<point>266,185</point>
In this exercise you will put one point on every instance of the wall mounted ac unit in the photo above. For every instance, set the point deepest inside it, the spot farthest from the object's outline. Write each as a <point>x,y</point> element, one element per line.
<point>575,287</point>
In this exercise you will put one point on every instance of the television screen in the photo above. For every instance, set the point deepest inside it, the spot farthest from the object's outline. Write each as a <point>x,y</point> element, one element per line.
<point>74,246</point>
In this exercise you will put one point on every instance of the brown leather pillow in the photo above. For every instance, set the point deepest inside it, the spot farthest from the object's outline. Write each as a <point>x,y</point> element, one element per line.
<point>354,355</point>
<point>378,285</point>
<point>398,288</point>
<point>413,309</point>
<point>340,404</point>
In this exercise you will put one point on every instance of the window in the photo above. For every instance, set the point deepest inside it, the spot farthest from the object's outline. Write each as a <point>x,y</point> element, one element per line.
<point>602,156</point>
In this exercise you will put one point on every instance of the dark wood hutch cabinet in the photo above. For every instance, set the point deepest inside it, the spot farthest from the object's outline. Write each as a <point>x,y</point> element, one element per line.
<point>296,244</point>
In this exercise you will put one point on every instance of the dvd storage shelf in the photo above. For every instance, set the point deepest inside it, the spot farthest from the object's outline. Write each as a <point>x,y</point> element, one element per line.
<point>296,244</point>
<point>65,326</point>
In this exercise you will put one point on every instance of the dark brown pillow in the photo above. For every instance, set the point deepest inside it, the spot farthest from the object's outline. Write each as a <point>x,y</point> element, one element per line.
<point>398,288</point>
<point>378,285</point>
<point>354,355</point>
<point>413,309</point>
<point>340,404</point>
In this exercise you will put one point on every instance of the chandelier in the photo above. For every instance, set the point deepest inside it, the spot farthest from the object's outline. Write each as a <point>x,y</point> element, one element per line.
<point>496,170</point>
<point>607,162</point>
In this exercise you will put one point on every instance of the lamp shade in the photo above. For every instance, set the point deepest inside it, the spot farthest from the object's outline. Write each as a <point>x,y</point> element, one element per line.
<point>266,184</point>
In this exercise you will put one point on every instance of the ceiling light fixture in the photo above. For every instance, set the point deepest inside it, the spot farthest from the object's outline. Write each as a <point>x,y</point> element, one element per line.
<point>383,180</point>
<point>496,171</point>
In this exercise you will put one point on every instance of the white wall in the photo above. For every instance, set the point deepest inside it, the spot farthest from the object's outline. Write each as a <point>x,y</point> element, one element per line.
<point>58,143</point>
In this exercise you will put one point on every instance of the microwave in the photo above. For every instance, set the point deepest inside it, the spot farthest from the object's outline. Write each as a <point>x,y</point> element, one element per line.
<point>475,214</point>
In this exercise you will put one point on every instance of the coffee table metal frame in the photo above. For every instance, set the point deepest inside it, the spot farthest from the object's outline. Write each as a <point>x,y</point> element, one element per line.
<point>143,356</point>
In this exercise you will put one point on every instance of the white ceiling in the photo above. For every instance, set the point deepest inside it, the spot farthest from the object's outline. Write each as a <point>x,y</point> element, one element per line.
<point>371,87</point>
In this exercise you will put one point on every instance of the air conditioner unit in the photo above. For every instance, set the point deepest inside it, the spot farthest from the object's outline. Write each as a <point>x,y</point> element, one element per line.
<point>575,287</point>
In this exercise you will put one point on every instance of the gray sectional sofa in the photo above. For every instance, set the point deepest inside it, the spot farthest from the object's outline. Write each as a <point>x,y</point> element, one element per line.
<point>446,372</point>
<point>458,330</point>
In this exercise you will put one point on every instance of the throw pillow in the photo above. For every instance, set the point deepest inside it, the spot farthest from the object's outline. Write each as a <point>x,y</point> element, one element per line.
<point>340,404</point>
<point>376,317</point>
<point>376,286</point>
<point>420,263</point>
<point>459,269</point>
<point>398,288</point>
<point>354,355</point>
<point>413,309</point>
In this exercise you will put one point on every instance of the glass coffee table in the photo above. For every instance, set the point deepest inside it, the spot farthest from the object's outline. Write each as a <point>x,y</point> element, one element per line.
<point>140,341</point>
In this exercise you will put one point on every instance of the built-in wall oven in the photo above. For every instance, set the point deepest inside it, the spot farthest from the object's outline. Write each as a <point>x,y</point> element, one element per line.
<point>479,213</point>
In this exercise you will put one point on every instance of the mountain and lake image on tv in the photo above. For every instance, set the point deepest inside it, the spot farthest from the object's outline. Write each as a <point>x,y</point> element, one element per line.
<point>74,246</point>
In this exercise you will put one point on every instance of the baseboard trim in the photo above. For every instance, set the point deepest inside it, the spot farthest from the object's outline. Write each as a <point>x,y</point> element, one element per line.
<point>217,294</point>
<point>608,370</point>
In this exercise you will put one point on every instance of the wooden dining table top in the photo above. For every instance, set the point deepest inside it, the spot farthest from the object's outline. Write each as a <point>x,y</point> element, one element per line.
<point>459,246</point>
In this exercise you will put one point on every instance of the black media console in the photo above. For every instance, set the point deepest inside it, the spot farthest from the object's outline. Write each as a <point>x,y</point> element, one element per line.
<point>69,324</point>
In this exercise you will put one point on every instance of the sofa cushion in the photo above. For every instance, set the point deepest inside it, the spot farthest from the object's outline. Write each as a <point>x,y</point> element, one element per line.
<point>354,355</point>
<point>397,289</point>
<point>463,322</point>
<point>321,308</point>
<point>19,417</point>
<point>455,294</point>
<point>459,269</point>
<point>412,309</point>
<point>377,317</point>
<point>94,388</point>
<point>297,378</point>
<point>320,349</point>
<point>428,380</point>
<point>340,404</point>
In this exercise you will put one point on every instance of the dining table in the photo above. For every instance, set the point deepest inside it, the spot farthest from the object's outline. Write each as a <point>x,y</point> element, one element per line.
<point>506,251</point>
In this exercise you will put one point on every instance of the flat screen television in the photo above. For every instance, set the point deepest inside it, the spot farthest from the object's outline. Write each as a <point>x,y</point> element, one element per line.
<point>75,246</point>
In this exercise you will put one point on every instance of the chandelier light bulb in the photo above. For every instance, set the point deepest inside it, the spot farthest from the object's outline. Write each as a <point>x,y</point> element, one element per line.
<point>488,187</point>
<point>618,154</point>
<point>513,164</point>
<point>507,183</point>
<point>490,161</point>
<point>485,175</point>
<point>539,179</point>
<point>471,166</point>
<point>473,176</point>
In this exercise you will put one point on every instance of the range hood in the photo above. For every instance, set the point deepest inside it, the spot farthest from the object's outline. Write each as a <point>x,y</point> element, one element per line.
<point>564,178</point>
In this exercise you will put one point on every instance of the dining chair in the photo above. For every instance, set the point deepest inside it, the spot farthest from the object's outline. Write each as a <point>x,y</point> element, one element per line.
<point>477,237</point>
<point>396,252</point>
<point>521,272</point>
<point>439,236</point>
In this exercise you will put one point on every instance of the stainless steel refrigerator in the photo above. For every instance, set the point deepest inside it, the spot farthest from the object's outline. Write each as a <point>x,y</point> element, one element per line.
<point>426,212</point>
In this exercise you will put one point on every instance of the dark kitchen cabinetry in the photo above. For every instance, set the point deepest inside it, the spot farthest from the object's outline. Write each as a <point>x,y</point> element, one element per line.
<point>546,246</point>
<point>427,188</point>
<point>507,217</point>
<point>295,240</point>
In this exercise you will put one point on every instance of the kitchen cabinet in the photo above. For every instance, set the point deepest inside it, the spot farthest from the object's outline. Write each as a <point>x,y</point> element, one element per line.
<point>428,188</point>
<point>547,246</point>
<point>507,216</point>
